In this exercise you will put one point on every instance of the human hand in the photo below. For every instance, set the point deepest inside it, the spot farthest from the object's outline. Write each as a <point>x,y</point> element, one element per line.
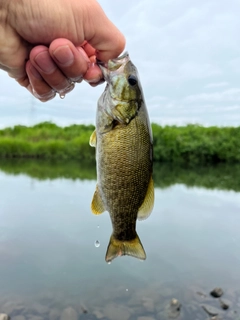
<point>57,68</point>
<point>41,33</point>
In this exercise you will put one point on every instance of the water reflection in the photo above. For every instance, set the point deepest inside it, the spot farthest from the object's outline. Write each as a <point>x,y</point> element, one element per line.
<point>45,169</point>
<point>221,176</point>
<point>50,267</point>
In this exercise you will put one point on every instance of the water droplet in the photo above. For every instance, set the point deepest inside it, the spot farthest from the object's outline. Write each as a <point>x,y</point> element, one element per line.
<point>62,95</point>
<point>109,262</point>
<point>127,289</point>
<point>98,227</point>
<point>97,244</point>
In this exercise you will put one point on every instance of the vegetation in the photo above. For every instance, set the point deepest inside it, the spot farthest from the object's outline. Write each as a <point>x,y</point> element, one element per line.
<point>191,144</point>
<point>195,144</point>
<point>47,141</point>
<point>221,176</point>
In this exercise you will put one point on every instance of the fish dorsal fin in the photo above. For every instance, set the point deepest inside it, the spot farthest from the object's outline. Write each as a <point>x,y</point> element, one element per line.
<point>97,205</point>
<point>131,248</point>
<point>147,205</point>
<point>93,139</point>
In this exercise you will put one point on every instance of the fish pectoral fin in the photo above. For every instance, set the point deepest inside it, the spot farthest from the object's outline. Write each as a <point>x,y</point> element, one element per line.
<point>147,205</point>
<point>97,205</point>
<point>131,248</point>
<point>93,139</point>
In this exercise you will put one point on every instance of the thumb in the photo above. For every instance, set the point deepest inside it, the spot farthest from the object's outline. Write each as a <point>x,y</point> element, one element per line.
<point>103,35</point>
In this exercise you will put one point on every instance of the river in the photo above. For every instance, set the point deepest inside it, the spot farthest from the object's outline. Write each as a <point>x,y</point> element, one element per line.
<point>52,248</point>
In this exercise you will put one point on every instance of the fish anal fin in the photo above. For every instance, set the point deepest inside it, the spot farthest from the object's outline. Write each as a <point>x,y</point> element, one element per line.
<point>147,205</point>
<point>97,205</point>
<point>93,139</point>
<point>132,248</point>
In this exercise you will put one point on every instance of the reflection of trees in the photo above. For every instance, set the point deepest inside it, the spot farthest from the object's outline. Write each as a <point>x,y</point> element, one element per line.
<point>220,176</point>
<point>43,169</point>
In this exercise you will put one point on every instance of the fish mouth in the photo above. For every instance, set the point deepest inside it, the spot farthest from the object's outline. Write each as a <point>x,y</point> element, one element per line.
<point>101,64</point>
<point>113,65</point>
<point>119,62</point>
<point>124,56</point>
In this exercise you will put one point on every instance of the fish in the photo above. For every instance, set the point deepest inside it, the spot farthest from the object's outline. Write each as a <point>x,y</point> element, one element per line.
<point>124,157</point>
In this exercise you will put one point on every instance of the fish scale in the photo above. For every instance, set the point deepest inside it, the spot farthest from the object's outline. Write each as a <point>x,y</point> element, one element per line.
<point>115,169</point>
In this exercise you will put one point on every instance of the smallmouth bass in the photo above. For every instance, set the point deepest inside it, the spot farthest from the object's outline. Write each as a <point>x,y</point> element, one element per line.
<point>124,156</point>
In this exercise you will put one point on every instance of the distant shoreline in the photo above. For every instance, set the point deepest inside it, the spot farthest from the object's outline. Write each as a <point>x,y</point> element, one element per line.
<point>191,144</point>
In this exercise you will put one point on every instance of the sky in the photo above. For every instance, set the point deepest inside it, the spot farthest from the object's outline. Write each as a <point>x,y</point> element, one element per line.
<point>187,53</point>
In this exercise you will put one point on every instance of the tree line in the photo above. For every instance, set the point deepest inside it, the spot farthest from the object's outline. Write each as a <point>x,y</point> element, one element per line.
<point>191,144</point>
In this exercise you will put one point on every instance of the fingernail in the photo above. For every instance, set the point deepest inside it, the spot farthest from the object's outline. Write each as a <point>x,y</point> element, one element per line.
<point>94,81</point>
<point>44,96</point>
<point>29,87</point>
<point>77,79</point>
<point>95,84</point>
<point>84,55</point>
<point>64,55</point>
<point>69,88</point>
<point>44,62</point>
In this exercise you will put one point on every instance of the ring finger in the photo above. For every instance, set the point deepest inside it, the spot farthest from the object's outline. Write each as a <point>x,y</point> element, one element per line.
<point>50,73</point>
<point>37,86</point>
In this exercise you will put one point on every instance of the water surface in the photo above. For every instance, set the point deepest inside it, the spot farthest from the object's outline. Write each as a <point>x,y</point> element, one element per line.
<point>48,254</point>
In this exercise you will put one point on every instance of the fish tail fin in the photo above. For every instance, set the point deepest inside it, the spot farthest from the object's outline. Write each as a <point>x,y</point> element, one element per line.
<point>133,248</point>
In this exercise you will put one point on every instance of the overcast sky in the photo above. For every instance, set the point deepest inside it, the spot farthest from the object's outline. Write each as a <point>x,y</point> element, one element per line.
<point>188,56</point>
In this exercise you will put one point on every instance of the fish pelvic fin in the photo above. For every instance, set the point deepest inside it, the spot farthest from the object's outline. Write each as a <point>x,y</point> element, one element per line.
<point>93,139</point>
<point>147,205</point>
<point>97,205</point>
<point>133,248</point>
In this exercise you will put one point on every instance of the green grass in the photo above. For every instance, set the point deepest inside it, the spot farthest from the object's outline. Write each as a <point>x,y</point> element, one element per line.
<point>191,144</point>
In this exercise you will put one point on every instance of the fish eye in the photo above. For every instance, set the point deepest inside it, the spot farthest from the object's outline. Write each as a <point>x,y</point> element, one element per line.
<point>132,80</point>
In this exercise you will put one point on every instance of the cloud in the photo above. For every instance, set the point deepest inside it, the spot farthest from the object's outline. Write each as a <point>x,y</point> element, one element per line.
<point>193,70</point>
<point>217,85</point>
<point>229,95</point>
<point>187,55</point>
<point>234,64</point>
